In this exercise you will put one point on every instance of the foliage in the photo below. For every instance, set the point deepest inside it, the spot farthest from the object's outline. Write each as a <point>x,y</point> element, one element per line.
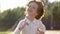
<point>9,17</point>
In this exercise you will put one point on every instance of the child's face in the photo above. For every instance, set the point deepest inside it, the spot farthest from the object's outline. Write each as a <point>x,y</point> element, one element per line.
<point>32,9</point>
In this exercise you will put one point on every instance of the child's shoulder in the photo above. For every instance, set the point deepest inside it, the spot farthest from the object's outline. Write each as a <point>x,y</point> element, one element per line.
<point>22,20</point>
<point>39,21</point>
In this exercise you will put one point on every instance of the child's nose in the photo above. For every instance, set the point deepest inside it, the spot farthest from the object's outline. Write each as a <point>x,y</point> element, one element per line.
<point>29,9</point>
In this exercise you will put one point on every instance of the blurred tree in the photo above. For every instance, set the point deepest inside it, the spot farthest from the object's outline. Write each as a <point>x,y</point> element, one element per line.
<point>10,16</point>
<point>56,10</point>
<point>47,9</point>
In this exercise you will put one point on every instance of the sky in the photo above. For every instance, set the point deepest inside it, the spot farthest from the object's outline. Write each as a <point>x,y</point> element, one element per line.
<point>53,0</point>
<point>6,4</point>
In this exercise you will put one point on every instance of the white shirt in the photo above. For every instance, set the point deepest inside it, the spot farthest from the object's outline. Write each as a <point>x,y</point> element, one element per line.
<point>31,28</point>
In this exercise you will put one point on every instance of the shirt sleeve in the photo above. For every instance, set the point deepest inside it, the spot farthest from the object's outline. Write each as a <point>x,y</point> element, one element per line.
<point>42,26</point>
<point>17,31</point>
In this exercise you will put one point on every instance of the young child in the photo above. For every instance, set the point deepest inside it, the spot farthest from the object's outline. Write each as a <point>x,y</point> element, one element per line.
<point>31,23</point>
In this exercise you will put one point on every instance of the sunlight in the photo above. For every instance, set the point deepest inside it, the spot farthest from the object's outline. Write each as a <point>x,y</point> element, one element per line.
<point>53,0</point>
<point>6,4</point>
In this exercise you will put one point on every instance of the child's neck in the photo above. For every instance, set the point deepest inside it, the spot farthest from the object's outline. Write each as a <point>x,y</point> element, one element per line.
<point>31,18</point>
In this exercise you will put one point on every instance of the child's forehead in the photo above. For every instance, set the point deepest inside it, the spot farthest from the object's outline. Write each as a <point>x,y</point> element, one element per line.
<point>33,4</point>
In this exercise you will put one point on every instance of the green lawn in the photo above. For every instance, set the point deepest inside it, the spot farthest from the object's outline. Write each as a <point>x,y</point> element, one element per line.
<point>47,32</point>
<point>5,32</point>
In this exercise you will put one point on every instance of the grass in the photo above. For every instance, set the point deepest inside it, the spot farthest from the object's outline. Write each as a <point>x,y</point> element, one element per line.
<point>47,32</point>
<point>5,32</point>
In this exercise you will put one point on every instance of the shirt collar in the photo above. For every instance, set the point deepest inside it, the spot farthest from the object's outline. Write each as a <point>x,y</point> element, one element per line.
<point>29,20</point>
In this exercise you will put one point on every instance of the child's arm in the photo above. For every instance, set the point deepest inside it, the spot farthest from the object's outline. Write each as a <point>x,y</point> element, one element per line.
<point>20,26</point>
<point>17,31</point>
<point>41,29</point>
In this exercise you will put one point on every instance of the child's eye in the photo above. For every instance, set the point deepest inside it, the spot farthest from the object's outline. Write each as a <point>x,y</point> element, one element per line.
<point>29,6</point>
<point>33,7</point>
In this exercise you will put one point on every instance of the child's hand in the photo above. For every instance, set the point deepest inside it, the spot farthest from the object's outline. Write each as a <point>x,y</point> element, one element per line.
<point>23,25</point>
<point>39,31</point>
